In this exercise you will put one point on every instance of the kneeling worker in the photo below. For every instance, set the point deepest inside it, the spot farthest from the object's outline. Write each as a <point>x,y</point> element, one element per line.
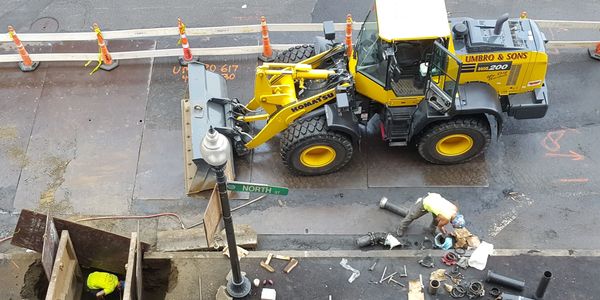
<point>443,212</point>
<point>103,284</point>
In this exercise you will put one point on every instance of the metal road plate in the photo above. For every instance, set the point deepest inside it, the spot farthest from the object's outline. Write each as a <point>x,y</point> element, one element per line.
<point>161,168</point>
<point>404,167</point>
<point>18,104</point>
<point>85,142</point>
<point>268,168</point>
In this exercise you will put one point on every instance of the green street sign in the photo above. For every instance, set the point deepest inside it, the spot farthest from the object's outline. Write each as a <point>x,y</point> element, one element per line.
<point>256,188</point>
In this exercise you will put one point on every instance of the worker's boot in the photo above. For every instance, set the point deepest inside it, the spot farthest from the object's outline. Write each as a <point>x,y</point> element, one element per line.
<point>400,231</point>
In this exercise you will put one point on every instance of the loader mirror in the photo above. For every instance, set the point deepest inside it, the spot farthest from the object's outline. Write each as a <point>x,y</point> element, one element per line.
<point>329,30</point>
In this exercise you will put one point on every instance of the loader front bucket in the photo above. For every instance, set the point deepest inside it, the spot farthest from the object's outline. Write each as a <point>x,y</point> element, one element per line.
<point>199,113</point>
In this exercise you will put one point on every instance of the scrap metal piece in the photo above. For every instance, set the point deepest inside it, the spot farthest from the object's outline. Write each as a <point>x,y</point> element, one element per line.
<point>434,285</point>
<point>495,292</point>
<point>383,274</point>
<point>458,291</point>
<point>355,272</point>
<point>389,277</point>
<point>266,266</point>
<point>475,290</point>
<point>290,266</point>
<point>404,274</point>
<point>282,257</point>
<point>505,281</point>
<point>427,261</point>
<point>397,282</point>
<point>372,267</point>
<point>450,258</point>
<point>541,288</point>
<point>268,260</point>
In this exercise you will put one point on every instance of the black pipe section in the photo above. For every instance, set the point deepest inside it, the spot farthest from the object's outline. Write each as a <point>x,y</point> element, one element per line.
<point>434,285</point>
<point>541,289</point>
<point>385,204</point>
<point>371,239</point>
<point>498,28</point>
<point>505,281</point>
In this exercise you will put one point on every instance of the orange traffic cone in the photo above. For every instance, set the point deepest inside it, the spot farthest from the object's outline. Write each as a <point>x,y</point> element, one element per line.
<point>26,65</point>
<point>187,52</point>
<point>105,61</point>
<point>595,54</point>
<point>267,54</point>
<point>349,35</point>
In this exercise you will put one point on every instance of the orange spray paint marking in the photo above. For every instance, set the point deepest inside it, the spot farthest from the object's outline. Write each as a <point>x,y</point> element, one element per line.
<point>572,155</point>
<point>550,142</point>
<point>576,180</point>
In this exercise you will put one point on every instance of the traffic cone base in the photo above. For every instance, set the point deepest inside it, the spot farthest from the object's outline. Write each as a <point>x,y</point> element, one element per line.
<point>25,68</point>
<point>264,58</point>
<point>183,62</point>
<point>594,54</point>
<point>114,64</point>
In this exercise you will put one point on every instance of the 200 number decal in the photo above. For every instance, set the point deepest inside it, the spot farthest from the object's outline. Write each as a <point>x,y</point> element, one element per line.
<point>503,66</point>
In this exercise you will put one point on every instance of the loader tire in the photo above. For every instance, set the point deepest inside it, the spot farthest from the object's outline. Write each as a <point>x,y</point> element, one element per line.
<point>295,54</point>
<point>308,148</point>
<point>454,141</point>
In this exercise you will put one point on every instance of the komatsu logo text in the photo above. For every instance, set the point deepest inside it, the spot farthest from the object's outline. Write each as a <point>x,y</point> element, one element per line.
<point>315,101</point>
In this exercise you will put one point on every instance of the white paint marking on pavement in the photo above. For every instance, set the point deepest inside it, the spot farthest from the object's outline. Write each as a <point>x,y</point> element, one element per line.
<point>512,214</point>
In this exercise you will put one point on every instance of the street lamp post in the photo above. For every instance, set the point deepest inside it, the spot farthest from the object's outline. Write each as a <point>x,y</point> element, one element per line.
<point>215,148</point>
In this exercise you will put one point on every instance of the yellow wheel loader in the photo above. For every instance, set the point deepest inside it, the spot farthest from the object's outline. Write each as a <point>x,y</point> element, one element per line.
<point>437,83</point>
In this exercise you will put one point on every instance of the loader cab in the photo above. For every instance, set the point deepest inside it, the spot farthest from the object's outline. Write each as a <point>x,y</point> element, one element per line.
<point>401,48</point>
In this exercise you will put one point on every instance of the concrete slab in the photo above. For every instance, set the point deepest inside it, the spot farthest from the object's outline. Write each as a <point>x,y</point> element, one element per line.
<point>85,141</point>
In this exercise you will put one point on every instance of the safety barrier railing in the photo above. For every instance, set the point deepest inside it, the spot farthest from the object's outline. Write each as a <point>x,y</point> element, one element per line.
<point>223,30</point>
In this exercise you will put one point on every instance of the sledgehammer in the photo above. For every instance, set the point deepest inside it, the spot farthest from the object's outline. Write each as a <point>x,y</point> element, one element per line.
<point>385,204</point>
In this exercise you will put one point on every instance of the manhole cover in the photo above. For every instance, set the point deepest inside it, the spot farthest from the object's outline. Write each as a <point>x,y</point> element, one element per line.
<point>45,24</point>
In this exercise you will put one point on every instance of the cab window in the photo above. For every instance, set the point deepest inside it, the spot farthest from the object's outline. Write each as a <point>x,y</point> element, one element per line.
<point>369,52</point>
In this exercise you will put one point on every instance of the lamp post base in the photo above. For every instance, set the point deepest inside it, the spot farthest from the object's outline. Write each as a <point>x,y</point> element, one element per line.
<point>240,290</point>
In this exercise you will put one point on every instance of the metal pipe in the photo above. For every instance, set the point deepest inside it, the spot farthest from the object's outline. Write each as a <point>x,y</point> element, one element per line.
<point>541,289</point>
<point>505,281</point>
<point>364,241</point>
<point>385,204</point>
<point>434,285</point>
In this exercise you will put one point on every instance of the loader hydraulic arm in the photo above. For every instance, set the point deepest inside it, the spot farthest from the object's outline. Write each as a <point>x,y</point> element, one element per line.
<point>275,92</point>
<point>274,86</point>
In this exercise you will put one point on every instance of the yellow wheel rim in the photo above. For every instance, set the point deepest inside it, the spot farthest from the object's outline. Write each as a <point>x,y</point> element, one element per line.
<point>454,145</point>
<point>317,156</point>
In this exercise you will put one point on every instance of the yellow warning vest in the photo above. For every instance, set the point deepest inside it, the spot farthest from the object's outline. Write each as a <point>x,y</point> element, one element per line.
<point>436,204</point>
<point>102,281</point>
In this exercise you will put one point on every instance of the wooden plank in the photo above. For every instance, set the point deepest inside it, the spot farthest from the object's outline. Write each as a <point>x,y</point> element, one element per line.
<point>239,50</point>
<point>49,246</point>
<point>97,248</point>
<point>139,253</point>
<point>66,282</point>
<point>212,216</point>
<point>130,281</point>
<point>415,290</point>
<point>237,29</point>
